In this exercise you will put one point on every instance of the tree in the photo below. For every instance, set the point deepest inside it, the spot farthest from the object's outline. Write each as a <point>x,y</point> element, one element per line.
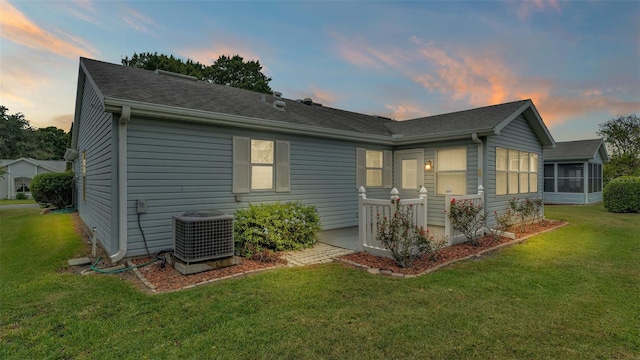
<point>14,134</point>
<point>622,136</point>
<point>3,172</point>
<point>18,139</point>
<point>149,61</point>
<point>227,70</point>
<point>234,71</point>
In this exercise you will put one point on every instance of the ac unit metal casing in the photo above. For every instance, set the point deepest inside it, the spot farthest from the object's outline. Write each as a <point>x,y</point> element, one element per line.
<point>202,235</point>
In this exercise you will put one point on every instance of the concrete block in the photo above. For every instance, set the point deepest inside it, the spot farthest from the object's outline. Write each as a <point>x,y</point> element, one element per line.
<point>79,261</point>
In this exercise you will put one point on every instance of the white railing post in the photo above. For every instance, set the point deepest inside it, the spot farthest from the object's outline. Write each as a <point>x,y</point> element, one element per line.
<point>395,194</point>
<point>362,217</point>
<point>422,195</point>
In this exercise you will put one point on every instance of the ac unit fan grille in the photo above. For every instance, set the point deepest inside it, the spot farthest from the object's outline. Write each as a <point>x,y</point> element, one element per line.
<point>203,238</point>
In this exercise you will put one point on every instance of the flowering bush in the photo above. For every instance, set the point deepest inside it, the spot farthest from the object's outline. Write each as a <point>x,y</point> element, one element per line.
<point>527,211</point>
<point>504,223</point>
<point>277,227</point>
<point>405,241</point>
<point>467,218</point>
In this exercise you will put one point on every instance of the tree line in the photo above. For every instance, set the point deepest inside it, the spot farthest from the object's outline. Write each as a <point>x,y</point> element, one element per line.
<point>227,70</point>
<point>19,139</point>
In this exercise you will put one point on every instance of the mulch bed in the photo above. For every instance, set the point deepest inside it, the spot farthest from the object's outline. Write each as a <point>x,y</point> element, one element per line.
<point>159,279</point>
<point>445,255</point>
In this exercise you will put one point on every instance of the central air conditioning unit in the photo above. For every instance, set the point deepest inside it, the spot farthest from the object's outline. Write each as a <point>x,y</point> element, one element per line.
<point>202,235</point>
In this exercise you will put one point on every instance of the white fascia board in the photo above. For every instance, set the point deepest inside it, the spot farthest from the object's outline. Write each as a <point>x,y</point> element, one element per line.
<point>191,115</point>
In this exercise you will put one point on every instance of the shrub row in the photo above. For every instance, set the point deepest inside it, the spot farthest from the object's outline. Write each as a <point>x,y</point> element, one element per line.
<point>622,195</point>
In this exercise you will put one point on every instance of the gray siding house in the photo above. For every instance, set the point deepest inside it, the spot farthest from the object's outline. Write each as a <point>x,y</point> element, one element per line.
<point>20,172</point>
<point>179,144</point>
<point>573,172</point>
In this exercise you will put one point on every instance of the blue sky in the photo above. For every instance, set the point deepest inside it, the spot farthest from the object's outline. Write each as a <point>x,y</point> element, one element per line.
<point>579,61</point>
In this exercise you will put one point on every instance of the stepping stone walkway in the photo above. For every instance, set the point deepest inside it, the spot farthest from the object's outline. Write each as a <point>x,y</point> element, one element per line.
<point>320,253</point>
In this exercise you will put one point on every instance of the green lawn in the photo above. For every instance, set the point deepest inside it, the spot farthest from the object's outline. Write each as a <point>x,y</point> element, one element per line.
<point>572,293</point>
<point>16,202</point>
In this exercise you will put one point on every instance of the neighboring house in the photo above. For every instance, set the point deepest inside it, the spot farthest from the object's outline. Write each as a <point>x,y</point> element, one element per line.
<point>573,172</point>
<point>19,173</point>
<point>179,144</point>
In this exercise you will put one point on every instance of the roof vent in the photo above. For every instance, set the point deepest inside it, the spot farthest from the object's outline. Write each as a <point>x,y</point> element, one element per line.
<point>176,75</point>
<point>307,101</point>
<point>279,105</point>
<point>277,94</point>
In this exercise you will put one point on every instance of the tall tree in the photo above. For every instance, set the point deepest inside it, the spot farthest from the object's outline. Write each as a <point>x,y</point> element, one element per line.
<point>234,71</point>
<point>227,70</point>
<point>14,134</point>
<point>622,136</point>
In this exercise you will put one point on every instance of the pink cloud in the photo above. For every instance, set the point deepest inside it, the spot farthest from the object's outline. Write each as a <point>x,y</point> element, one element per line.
<point>405,111</point>
<point>360,53</point>
<point>323,96</point>
<point>18,28</point>
<point>526,8</point>
<point>137,21</point>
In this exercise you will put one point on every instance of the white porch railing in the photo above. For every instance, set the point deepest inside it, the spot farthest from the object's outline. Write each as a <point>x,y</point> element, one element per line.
<point>453,235</point>
<point>369,210</point>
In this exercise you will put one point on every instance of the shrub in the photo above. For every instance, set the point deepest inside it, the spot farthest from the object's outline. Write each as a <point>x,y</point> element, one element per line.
<point>53,189</point>
<point>467,218</point>
<point>276,227</point>
<point>21,196</point>
<point>405,241</point>
<point>504,223</point>
<point>527,211</point>
<point>622,195</point>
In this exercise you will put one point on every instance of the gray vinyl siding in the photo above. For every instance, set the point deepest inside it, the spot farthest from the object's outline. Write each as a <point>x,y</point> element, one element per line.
<point>435,204</point>
<point>518,135</point>
<point>565,198</point>
<point>178,167</point>
<point>96,137</point>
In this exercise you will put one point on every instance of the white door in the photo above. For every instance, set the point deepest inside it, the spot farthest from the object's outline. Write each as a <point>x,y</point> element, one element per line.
<point>409,172</point>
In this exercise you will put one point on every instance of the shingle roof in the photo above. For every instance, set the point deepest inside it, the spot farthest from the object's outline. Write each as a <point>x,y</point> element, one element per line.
<point>472,120</point>
<point>575,150</point>
<point>128,84</point>
<point>51,165</point>
<point>125,82</point>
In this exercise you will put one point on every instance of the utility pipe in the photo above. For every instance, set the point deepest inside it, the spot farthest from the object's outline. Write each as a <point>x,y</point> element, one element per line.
<point>125,116</point>
<point>478,141</point>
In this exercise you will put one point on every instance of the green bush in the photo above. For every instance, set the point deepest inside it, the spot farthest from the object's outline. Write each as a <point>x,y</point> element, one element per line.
<point>404,240</point>
<point>21,196</point>
<point>622,195</point>
<point>53,189</point>
<point>277,227</point>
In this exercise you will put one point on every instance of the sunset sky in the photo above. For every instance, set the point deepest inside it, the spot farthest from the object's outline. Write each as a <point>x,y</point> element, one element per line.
<point>579,61</point>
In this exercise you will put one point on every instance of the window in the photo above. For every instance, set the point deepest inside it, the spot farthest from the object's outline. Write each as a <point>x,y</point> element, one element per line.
<point>260,165</point>
<point>571,178</point>
<point>373,168</point>
<point>595,178</point>
<point>22,184</point>
<point>84,176</point>
<point>549,178</point>
<point>516,172</point>
<point>451,171</point>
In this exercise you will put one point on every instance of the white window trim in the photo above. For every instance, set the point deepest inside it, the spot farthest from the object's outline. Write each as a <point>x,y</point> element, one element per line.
<point>519,172</point>
<point>437,171</point>
<point>242,166</point>
<point>361,168</point>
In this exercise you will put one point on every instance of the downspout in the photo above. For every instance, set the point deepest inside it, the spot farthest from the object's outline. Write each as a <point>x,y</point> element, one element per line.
<point>125,116</point>
<point>477,140</point>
